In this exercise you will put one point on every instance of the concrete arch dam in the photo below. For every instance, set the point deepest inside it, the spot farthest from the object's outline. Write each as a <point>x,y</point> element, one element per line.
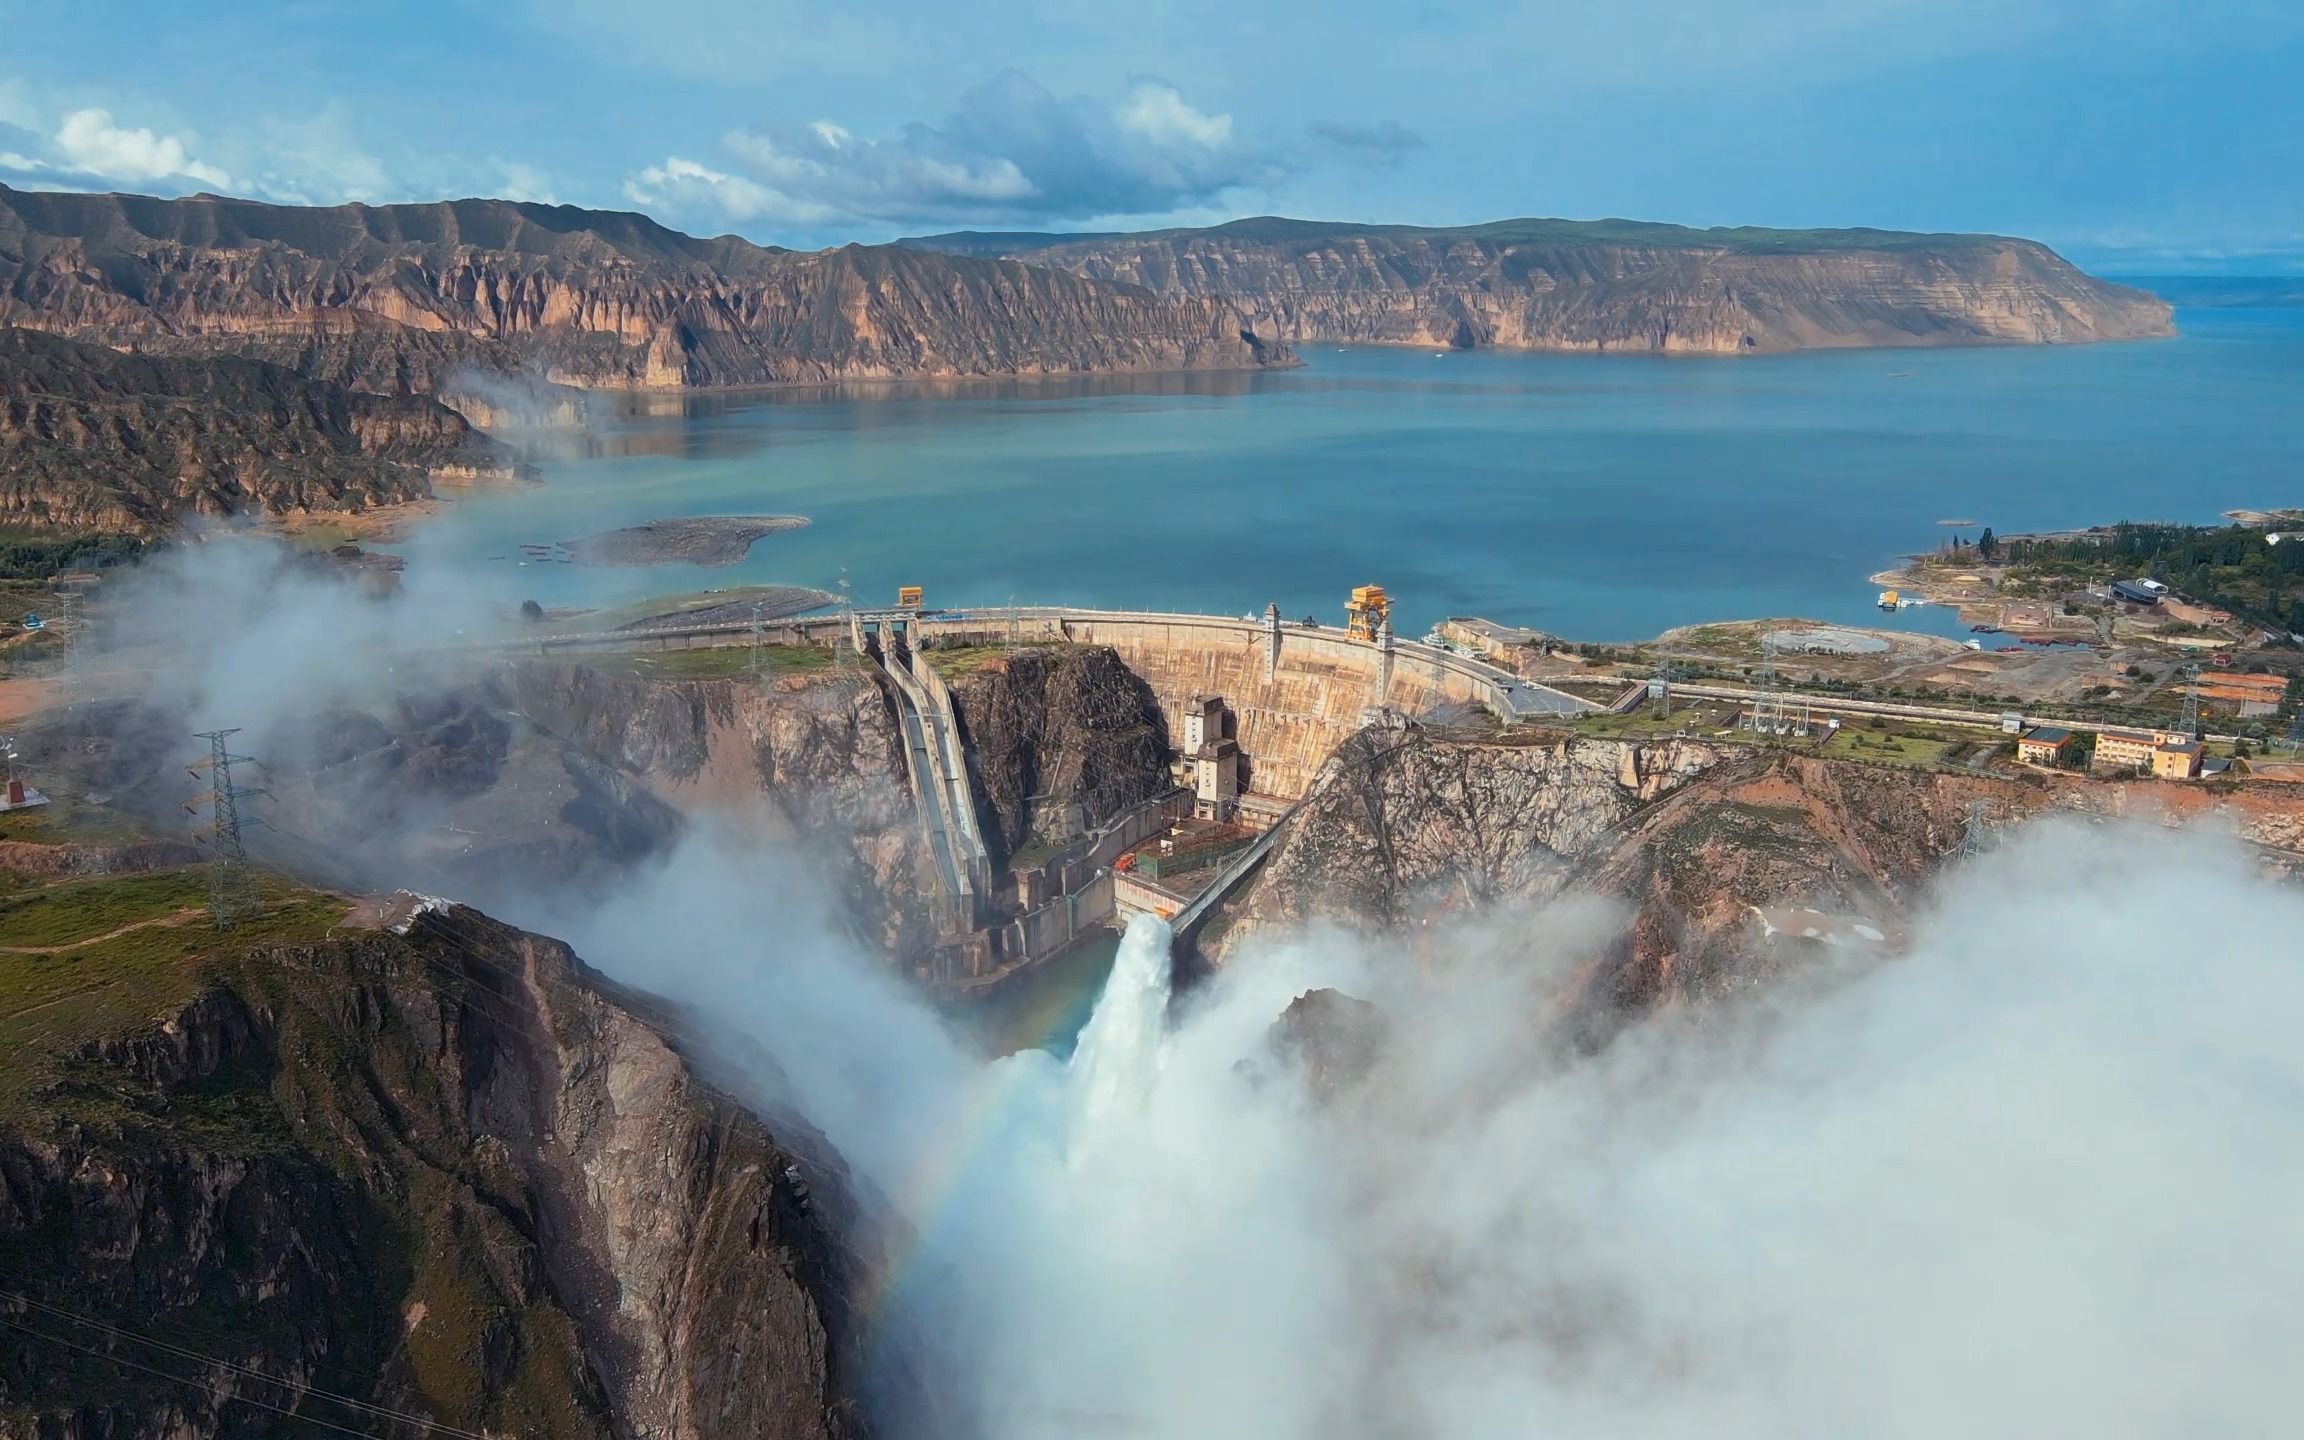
<point>1295,693</point>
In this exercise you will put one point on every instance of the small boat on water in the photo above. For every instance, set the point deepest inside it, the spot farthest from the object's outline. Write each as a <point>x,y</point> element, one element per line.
<point>1983,629</point>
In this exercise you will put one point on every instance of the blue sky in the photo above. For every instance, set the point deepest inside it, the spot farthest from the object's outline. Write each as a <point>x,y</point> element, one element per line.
<point>2137,135</point>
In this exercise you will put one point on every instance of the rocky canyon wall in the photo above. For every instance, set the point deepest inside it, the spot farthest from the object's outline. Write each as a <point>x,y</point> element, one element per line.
<point>1611,285</point>
<point>94,440</point>
<point>1701,844</point>
<point>403,299</point>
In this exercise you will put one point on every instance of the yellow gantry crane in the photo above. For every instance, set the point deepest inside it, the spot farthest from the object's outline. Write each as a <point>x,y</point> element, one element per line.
<point>1368,611</point>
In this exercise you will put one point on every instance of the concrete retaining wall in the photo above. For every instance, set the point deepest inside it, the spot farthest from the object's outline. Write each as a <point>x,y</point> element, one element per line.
<point>1134,895</point>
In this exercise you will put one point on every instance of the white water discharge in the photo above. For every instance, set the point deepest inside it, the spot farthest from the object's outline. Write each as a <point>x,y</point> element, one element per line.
<point>1110,1076</point>
<point>2029,1177</point>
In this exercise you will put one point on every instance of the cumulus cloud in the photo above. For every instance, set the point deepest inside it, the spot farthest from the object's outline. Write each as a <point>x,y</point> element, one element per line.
<point>524,182</point>
<point>1011,151</point>
<point>311,159</point>
<point>684,187</point>
<point>90,141</point>
<point>1384,141</point>
<point>89,150</point>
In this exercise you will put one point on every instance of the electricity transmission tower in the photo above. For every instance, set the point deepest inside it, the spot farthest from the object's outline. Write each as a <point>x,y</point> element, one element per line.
<point>752,662</point>
<point>231,880</point>
<point>1767,707</point>
<point>2190,721</point>
<point>1976,836</point>
<point>841,641</point>
<point>1660,690</point>
<point>1773,711</point>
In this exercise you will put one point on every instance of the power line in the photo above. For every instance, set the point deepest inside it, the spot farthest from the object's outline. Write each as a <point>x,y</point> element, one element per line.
<point>202,1385</point>
<point>382,1412</point>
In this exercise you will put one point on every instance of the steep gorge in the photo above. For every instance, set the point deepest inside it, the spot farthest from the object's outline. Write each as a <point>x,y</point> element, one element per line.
<point>1608,285</point>
<point>446,1171</point>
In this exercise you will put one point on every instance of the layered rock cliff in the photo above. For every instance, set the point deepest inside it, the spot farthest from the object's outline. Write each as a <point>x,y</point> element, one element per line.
<point>1609,285</point>
<point>91,439</point>
<point>402,299</point>
<point>446,1172</point>
<point>1728,862</point>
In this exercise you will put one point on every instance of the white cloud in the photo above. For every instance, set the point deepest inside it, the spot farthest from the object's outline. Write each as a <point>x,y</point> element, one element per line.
<point>1011,151</point>
<point>683,187</point>
<point>1159,113</point>
<point>310,159</point>
<point>16,107</point>
<point>316,161</point>
<point>524,182</point>
<point>89,141</point>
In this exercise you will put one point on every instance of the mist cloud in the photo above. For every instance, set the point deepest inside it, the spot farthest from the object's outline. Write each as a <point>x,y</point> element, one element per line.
<point>2028,1178</point>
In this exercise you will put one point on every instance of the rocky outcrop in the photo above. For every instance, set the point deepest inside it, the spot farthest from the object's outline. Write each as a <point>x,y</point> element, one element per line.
<point>94,440</point>
<point>1332,1041</point>
<point>814,759</point>
<point>401,299</point>
<point>1061,739</point>
<point>447,1172</point>
<point>1610,285</point>
<point>1402,823</point>
<point>1729,863</point>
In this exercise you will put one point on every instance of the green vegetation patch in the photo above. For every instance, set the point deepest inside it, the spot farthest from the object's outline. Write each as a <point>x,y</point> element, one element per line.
<point>80,910</point>
<point>101,982</point>
<point>1919,749</point>
<point>2233,567</point>
<point>32,557</point>
<point>1745,239</point>
<point>954,661</point>
<point>69,820</point>
<point>1645,723</point>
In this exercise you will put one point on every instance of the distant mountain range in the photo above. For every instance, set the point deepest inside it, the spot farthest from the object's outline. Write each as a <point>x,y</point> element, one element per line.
<point>402,298</point>
<point>1604,285</point>
<point>282,358</point>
